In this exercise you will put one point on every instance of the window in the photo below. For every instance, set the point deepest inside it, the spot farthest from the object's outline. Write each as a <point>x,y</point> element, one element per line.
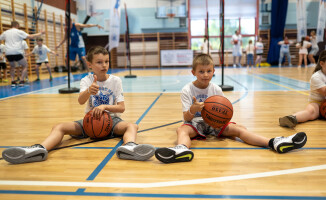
<point>248,26</point>
<point>214,27</point>
<point>198,27</point>
<point>230,26</point>
<point>196,43</point>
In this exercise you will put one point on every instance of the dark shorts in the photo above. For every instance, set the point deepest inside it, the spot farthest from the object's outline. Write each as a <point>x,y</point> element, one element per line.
<point>73,51</point>
<point>3,65</point>
<point>115,121</point>
<point>12,58</point>
<point>40,63</point>
<point>259,54</point>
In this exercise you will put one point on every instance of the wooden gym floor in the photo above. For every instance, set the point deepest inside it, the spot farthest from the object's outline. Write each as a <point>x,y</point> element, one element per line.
<point>221,168</point>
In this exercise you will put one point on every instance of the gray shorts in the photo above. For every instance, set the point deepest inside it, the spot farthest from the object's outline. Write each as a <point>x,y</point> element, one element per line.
<point>202,129</point>
<point>314,51</point>
<point>115,121</point>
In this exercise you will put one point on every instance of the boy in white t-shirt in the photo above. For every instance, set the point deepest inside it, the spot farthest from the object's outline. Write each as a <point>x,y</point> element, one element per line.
<point>42,51</point>
<point>316,97</point>
<point>13,41</point>
<point>101,93</point>
<point>3,65</point>
<point>285,50</point>
<point>193,96</point>
<point>236,41</point>
<point>24,52</point>
<point>250,54</point>
<point>314,48</point>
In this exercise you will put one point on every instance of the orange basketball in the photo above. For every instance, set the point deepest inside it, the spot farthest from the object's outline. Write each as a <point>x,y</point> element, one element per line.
<point>322,109</point>
<point>307,38</point>
<point>217,111</point>
<point>286,42</point>
<point>235,41</point>
<point>97,128</point>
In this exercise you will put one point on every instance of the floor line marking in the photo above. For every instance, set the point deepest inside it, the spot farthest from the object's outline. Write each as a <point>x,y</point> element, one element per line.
<point>163,184</point>
<point>272,82</point>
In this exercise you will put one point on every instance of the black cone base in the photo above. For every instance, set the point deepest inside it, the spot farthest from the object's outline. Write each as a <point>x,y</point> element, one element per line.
<point>226,87</point>
<point>68,90</point>
<point>130,76</point>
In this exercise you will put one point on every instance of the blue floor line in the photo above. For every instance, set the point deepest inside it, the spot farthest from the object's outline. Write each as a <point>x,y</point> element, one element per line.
<point>80,192</point>
<point>111,154</point>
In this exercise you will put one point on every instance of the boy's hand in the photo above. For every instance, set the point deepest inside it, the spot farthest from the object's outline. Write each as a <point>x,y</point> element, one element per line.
<point>98,111</point>
<point>93,89</point>
<point>196,106</point>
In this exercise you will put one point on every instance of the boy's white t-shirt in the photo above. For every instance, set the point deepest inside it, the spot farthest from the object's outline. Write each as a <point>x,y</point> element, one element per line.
<point>110,92</point>
<point>2,51</point>
<point>24,47</point>
<point>250,49</point>
<point>259,47</point>
<point>317,81</point>
<point>190,90</point>
<point>13,40</point>
<point>42,53</point>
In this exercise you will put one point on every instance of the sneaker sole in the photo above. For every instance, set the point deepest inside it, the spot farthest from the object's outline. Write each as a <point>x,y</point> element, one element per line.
<point>18,155</point>
<point>167,155</point>
<point>285,122</point>
<point>299,140</point>
<point>141,152</point>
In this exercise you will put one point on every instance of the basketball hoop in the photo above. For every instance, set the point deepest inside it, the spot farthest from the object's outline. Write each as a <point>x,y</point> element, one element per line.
<point>170,16</point>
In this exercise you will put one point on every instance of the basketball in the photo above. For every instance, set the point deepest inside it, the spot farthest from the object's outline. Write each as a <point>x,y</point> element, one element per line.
<point>97,128</point>
<point>322,109</point>
<point>286,42</point>
<point>307,38</point>
<point>217,111</point>
<point>235,41</point>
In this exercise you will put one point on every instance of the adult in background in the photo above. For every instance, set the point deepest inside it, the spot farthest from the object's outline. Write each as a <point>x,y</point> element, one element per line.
<point>13,44</point>
<point>236,41</point>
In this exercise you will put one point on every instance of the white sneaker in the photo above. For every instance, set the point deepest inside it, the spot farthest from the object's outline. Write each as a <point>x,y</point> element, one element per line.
<point>234,65</point>
<point>179,153</point>
<point>279,65</point>
<point>133,151</point>
<point>17,155</point>
<point>285,144</point>
<point>290,65</point>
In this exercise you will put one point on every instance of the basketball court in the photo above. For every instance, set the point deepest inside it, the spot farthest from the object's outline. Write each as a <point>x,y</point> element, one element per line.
<point>221,169</point>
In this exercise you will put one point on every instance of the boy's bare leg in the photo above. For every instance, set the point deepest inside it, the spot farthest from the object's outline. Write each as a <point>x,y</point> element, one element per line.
<point>23,63</point>
<point>58,131</point>
<point>185,133</point>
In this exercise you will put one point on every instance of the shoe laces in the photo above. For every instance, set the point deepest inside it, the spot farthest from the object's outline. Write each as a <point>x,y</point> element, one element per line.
<point>277,139</point>
<point>180,146</point>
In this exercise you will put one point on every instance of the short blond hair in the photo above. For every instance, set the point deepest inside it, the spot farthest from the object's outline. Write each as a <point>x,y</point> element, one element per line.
<point>202,59</point>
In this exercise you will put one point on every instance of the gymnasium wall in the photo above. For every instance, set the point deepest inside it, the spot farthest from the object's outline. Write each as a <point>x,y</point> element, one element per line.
<point>141,17</point>
<point>312,7</point>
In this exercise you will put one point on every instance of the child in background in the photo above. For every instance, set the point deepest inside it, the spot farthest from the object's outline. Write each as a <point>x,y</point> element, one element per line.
<point>193,96</point>
<point>285,50</point>
<point>24,52</point>
<point>259,51</point>
<point>3,65</point>
<point>100,92</point>
<point>41,51</point>
<point>314,48</point>
<point>317,95</point>
<point>303,51</point>
<point>250,54</point>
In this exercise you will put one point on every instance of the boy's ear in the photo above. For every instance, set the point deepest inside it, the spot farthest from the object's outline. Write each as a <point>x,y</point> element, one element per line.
<point>89,64</point>
<point>193,72</point>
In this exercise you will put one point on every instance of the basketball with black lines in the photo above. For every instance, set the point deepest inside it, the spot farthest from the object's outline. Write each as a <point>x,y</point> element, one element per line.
<point>322,109</point>
<point>217,111</point>
<point>97,128</point>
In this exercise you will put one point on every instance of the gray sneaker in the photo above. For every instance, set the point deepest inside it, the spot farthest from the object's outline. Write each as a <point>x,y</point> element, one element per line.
<point>17,155</point>
<point>288,121</point>
<point>133,151</point>
<point>285,144</point>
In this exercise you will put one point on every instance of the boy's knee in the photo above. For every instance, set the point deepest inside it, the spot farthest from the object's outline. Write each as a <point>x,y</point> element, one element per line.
<point>57,127</point>
<point>133,126</point>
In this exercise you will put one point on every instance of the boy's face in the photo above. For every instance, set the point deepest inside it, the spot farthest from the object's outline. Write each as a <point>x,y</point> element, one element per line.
<point>39,43</point>
<point>204,74</point>
<point>99,64</point>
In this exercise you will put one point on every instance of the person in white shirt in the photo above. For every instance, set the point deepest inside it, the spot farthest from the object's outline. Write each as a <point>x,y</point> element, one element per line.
<point>285,50</point>
<point>317,95</point>
<point>250,54</point>
<point>20,68</point>
<point>42,51</point>
<point>236,41</point>
<point>303,51</point>
<point>3,65</point>
<point>259,51</point>
<point>314,48</point>
<point>13,42</point>
<point>205,47</point>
